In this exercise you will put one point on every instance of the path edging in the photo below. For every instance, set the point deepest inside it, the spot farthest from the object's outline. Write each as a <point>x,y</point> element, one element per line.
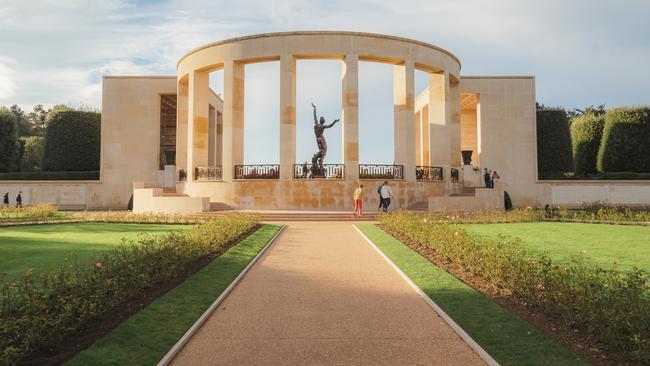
<point>169,356</point>
<point>466,337</point>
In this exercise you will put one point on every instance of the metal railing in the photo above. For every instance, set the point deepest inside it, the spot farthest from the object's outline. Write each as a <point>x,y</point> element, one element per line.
<point>311,171</point>
<point>429,173</point>
<point>259,171</point>
<point>379,171</point>
<point>454,175</point>
<point>208,173</point>
<point>182,175</point>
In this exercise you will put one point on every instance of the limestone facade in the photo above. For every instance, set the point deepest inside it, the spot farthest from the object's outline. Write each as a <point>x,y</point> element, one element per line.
<point>494,117</point>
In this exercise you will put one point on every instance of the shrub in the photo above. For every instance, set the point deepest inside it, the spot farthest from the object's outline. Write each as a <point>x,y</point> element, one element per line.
<point>33,154</point>
<point>586,132</point>
<point>609,306</point>
<point>38,312</point>
<point>553,142</point>
<point>8,141</point>
<point>40,175</point>
<point>624,146</point>
<point>32,212</point>
<point>72,141</point>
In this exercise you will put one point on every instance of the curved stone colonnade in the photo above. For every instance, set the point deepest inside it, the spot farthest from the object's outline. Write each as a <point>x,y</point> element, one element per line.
<point>443,145</point>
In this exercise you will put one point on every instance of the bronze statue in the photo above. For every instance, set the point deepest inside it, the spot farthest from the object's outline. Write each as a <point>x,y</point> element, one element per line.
<point>319,129</point>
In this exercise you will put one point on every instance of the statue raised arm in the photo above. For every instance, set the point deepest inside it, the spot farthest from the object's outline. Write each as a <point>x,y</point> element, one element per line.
<point>315,116</point>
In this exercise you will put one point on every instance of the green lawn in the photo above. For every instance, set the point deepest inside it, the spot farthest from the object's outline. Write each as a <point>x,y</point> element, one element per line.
<point>146,337</point>
<point>625,245</point>
<point>44,247</point>
<point>506,337</point>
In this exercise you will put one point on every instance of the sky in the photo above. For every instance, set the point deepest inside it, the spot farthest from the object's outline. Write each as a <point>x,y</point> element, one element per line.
<point>581,52</point>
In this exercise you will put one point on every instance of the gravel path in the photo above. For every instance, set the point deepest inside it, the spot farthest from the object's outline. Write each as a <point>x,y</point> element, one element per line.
<point>322,295</point>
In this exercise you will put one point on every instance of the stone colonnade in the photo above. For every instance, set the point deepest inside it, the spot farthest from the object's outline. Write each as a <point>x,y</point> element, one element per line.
<point>441,143</point>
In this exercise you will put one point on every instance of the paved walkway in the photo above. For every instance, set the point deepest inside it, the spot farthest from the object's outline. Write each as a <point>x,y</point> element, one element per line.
<point>322,295</point>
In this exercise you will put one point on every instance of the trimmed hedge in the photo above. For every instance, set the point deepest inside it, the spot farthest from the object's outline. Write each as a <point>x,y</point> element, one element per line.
<point>586,132</point>
<point>8,141</point>
<point>32,156</point>
<point>608,306</point>
<point>72,141</point>
<point>87,175</point>
<point>625,145</point>
<point>39,312</point>
<point>553,142</point>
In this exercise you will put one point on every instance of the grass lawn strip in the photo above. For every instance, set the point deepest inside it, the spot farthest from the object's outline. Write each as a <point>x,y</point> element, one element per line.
<point>42,248</point>
<point>146,337</point>
<point>506,337</point>
<point>627,246</point>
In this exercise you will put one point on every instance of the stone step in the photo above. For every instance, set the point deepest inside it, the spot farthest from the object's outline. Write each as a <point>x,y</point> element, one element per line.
<point>307,216</point>
<point>220,206</point>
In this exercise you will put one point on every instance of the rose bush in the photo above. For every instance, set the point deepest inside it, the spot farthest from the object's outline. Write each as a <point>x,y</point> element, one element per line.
<point>611,307</point>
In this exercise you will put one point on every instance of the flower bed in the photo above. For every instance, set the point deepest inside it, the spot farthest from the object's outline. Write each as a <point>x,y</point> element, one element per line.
<point>29,213</point>
<point>610,307</point>
<point>38,313</point>
<point>137,218</point>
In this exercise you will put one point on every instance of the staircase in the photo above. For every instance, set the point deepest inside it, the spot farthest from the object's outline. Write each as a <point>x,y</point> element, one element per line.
<point>285,216</point>
<point>220,207</point>
<point>421,206</point>
<point>465,192</point>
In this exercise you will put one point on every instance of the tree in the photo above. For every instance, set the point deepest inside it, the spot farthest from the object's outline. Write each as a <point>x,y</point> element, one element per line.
<point>38,119</point>
<point>8,141</point>
<point>33,154</point>
<point>72,141</point>
<point>23,124</point>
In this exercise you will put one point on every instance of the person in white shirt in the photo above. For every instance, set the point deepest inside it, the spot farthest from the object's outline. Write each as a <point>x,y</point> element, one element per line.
<point>358,200</point>
<point>386,194</point>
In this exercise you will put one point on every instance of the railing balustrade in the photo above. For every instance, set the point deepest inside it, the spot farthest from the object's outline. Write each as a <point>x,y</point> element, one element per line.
<point>258,171</point>
<point>429,173</point>
<point>182,175</point>
<point>454,174</point>
<point>311,171</point>
<point>208,173</point>
<point>379,171</point>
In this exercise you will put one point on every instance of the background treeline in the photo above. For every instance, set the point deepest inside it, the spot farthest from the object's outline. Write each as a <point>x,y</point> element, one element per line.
<point>593,143</point>
<point>58,143</point>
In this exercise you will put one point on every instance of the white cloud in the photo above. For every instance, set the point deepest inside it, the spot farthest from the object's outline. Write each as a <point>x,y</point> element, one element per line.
<point>7,83</point>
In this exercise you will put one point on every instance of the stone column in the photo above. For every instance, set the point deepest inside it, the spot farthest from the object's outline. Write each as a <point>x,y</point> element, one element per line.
<point>418,138</point>
<point>212,136</point>
<point>219,145</point>
<point>233,117</point>
<point>425,135</point>
<point>350,115</point>
<point>403,106</point>
<point>198,120</point>
<point>454,124</point>
<point>181,124</point>
<point>287,116</point>
<point>439,121</point>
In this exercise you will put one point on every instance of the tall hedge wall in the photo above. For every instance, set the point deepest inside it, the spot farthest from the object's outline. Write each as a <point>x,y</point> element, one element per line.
<point>72,141</point>
<point>32,156</point>
<point>553,142</point>
<point>8,141</point>
<point>625,145</point>
<point>586,132</point>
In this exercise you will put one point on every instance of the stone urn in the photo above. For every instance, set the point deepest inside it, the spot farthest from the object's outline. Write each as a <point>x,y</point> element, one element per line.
<point>467,157</point>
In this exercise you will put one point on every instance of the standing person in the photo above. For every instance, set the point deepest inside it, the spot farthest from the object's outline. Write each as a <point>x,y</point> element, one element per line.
<point>19,199</point>
<point>486,178</point>
<point>305,170</point>
<point>495,176</point>
<point>381,200</point>
<point>358,200</point>
<point>386,195</point>
<point>6,200</point>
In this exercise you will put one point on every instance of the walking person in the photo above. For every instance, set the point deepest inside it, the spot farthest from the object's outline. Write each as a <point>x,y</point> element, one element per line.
<point>486,177</point>
<point>381,200</point>
<point>386,195</point>
<point>358,200</point>
<point>495,176</point>
<point>19,199</point>
<point>6,200</point>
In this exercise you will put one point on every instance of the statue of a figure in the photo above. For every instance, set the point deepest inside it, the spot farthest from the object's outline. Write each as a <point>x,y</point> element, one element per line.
<point>319,129</point>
